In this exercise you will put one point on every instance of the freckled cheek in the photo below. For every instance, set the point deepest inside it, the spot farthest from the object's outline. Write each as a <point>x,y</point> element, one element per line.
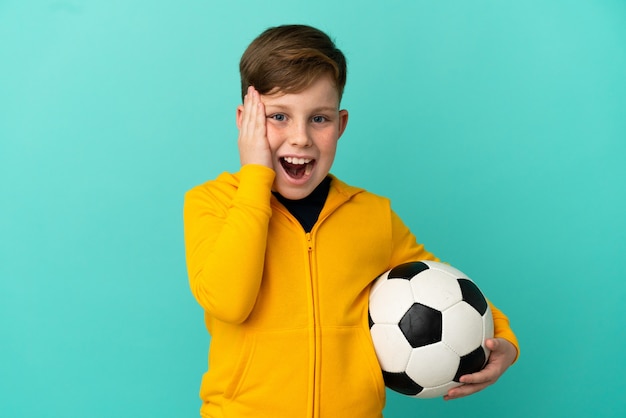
<point>274,138</point>
<point>328,141</point>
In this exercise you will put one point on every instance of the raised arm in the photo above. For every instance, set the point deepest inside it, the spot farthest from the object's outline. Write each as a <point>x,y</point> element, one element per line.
<point>226,224</point>
<point>225,241</point>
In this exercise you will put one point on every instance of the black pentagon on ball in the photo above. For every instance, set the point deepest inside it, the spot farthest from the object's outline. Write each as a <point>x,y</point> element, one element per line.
<point>472,295</point>
<point>421,325</point>
<point>402,383</point>
<point>471,363</point>
<point>407,270</point>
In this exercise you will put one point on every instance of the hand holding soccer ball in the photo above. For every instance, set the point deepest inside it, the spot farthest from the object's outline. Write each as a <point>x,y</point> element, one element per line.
<point>503,354</point>
<point>432,330</point>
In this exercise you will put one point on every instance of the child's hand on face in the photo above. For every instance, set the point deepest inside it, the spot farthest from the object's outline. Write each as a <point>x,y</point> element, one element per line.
<point>253,144</point>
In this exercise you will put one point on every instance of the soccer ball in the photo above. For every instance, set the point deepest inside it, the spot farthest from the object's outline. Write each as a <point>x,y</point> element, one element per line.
<point>429,323</point>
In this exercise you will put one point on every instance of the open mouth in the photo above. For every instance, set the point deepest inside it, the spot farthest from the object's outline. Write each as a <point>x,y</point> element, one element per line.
<point>297,168</point>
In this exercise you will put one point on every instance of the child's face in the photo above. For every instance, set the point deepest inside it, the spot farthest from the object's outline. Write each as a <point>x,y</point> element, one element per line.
<point>302,132</point>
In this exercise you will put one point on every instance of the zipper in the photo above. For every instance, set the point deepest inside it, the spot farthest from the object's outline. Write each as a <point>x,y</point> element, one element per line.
<point>316,333</point>
<point>314,319</point>
<point>315,337</point>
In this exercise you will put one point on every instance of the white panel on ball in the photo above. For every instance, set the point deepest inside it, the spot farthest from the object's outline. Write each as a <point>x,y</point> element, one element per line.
<point>462,328</point>
<point>390,302</point>
<point>432,365</point>
<point>435,290</point>
<point>393,348</point>
<point>446,268</point>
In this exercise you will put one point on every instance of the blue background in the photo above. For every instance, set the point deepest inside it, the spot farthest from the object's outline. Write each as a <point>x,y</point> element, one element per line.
<point>497,128</point>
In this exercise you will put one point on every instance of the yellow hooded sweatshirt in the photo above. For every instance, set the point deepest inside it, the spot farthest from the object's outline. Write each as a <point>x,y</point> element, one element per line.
<point>286,309</point>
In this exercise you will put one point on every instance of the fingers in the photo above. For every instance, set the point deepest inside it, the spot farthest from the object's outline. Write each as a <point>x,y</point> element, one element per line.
<point>252,118</point>
<point>488,375</point>
<point>472,383</point>
<point>464,390</point>
<point>502,355</point>
<point>493,344</point>
<point>253,144</point>
<point>502,350</point>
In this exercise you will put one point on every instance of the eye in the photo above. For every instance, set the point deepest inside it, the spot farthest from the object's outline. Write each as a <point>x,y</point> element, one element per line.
<point>319,119</point>
<point>279,117</point>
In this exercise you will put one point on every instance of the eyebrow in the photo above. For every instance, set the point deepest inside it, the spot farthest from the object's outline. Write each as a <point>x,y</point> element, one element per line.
<point>327,109</point>
<point>314,110</point>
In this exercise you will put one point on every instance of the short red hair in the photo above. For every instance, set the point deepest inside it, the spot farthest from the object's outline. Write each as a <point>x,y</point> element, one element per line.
<point>289,58</point>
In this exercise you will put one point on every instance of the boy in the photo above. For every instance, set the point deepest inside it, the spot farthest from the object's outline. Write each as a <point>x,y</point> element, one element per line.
<point>281,255</point>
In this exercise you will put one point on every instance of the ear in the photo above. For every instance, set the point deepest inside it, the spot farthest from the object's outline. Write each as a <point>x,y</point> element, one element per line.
<point>239,116</point>
<point>343,121</point>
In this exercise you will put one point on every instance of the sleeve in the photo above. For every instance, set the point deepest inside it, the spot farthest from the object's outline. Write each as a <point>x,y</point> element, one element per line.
<point>225,242</point>
<point>406,248</point>
<point>502,328</point>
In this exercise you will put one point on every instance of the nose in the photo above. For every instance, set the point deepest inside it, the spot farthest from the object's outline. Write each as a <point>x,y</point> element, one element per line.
<point>300,136</point>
